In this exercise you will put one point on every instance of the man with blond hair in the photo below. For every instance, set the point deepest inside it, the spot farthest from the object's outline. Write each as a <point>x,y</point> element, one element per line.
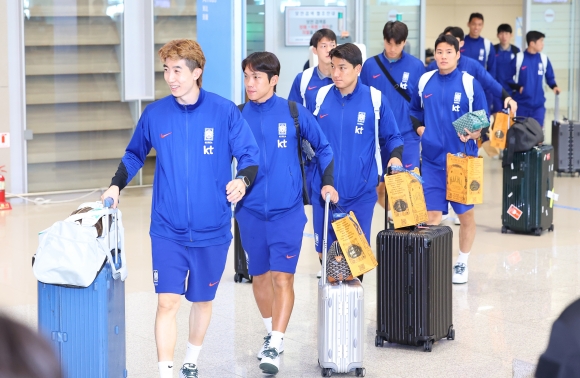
<point>195,134</point>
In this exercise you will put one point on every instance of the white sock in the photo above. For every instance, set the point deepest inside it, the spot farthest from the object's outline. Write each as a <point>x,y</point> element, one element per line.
<point>165,369</point>
<point>191,354</point>
<point>268,324</point>
<point>463,257</point>
<point>276,339</point>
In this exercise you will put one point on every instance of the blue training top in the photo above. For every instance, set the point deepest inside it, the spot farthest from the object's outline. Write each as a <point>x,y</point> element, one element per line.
<point>195,145</point>
<point>406,72</point>
<point>444,101</point>
<point>278,186</point>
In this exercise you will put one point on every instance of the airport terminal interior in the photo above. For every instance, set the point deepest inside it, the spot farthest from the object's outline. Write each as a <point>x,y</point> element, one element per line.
<point>72,96</point>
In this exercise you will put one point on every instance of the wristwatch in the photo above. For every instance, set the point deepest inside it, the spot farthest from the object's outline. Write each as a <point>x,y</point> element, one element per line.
<point>245,180</point>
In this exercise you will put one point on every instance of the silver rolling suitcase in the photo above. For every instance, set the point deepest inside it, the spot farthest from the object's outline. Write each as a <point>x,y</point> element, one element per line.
<point>340,320</point>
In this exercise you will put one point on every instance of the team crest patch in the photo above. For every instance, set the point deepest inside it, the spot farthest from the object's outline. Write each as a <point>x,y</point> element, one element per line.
<point>155,277</point>
<point>457,98</point>
<point>405,76</point>
<point>361,117</point>
<point>282,129</point>
<point>208,135</point>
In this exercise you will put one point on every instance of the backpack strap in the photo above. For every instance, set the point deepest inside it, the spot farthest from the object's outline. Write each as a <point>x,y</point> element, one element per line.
<point>391,80</point>
<point>519,62</point>
<point>544,59</point>
<point>467,80</point>
<point>515,50</point>
<point>487,46</point>
<point>423,82</point>
<point>241,107</point>
<point>320,96</point>
<point>294,114</point>
<point>306,76</point>
<point>376,99</point>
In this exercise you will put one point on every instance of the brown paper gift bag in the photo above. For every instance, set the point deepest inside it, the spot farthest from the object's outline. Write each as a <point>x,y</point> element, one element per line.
<point>499,129</point>
<point>464,179</point>
<point>354,245</point>
<point>406,199</point>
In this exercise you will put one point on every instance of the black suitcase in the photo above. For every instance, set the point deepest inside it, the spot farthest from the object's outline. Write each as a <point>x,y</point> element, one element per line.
<point>527,182</point>
<point>240,262</point>
<point>566,142</point>
<point>414,298</point>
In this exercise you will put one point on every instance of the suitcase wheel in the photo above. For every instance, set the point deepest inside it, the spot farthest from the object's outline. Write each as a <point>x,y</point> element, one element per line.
<point>551,228</point>
<point>379,341</point>
<point>504,229</point>
<point>237,277</point>
<point>361,372</point>
<point>538,231</point>
<point>326,372</point>
<point>451,334</point>
<point>428,346</point>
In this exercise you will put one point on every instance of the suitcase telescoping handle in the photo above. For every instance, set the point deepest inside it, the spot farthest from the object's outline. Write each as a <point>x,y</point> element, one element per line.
<point>324,277</point>
<point>107,203</point>
<point>557,107</point>
<point>389,171</point>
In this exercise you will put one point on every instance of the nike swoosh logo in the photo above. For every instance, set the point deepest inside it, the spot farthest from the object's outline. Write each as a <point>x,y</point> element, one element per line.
<point>408,165</point>
<point>323,115</point>
<point>429,95</point>
<point>213,284</point>
<point>164,135</point>
<point>311,88</point>
<point>524,67</point>
<point>289,257</point>
<point>375,76</point>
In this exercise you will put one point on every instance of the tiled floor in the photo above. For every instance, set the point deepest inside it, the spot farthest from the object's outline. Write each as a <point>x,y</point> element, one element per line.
<point>518,286</point>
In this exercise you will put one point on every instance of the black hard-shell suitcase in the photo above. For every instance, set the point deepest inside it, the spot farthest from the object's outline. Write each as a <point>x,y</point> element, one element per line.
<point>527,184</point>
<point>240,261</point>
<point>566,142</point>
<point>414,298</point>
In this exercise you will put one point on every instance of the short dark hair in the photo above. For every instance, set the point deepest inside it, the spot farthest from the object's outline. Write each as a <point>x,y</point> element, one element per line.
<point>25,353</point>
<point>533,36</point>
<point>396,30</point>
<point>349,52</point>
<point>322,33</point>
<point>262,61</point>
<point>446,38</point>
<point>455,31</point>
<point>504,28</point>
<point>475,15</point>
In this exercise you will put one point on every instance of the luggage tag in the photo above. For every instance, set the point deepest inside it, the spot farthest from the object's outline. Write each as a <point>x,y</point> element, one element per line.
<point>553,197</point>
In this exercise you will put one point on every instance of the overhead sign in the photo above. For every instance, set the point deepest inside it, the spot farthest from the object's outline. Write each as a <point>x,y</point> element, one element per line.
<point>302,22</point>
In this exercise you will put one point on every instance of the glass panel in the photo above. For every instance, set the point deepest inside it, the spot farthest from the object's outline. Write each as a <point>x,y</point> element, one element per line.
<point>255,16</point>
<point>80,127</point>
<point>174,19</point>
<point>555,20</point>
<point>378,12</point>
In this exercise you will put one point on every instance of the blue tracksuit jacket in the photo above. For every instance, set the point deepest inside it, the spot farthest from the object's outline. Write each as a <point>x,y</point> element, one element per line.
<point>503,65</point>
<point>531,78</point>
<point>406,72</point>
<point>475,49</point>
<point>349,124</point>
<point>195,145</point>
<point>278,185</point>
<point>472,67</point>
<point>444,101</point>
<point>314,85</point>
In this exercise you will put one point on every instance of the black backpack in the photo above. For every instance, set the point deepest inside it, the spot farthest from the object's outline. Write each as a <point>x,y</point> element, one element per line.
<point>525,134</point>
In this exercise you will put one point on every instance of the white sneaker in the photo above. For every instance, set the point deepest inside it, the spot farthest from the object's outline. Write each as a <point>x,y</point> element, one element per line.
<point>188,371</point>
<point>460,273</point>
<point>270,361</point>
<point>319,274</point>
<point>266,345</point>
<point>457,221</point>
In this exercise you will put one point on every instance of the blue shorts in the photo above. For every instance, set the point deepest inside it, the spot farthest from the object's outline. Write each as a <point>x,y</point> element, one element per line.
<point>435,189</point>
<point>172,262</point>
<point>411,156</point>
<point>272,245</point>
<point>363,210</point>
<point>538,113</point>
